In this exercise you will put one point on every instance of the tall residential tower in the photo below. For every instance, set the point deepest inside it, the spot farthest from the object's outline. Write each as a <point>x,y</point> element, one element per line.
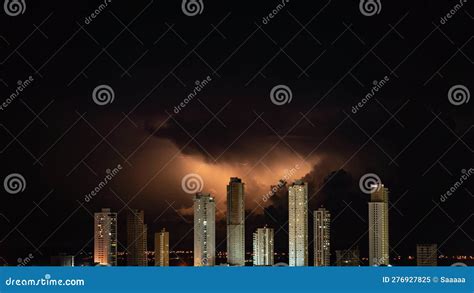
<point>235,222</point>
<point>378,226</point>
<point>162,248</point>
<point>105,238</point>
<point>263,247</point>
<point>322,225</point>
<point>298,223</point>
<point>204,230</point>
<point>136,239</point>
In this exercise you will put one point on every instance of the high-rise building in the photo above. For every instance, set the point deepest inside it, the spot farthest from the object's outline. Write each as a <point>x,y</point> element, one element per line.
<point>263,247</point>
<point>322,226</point>
<point>378,227</point>
<point>427,255</point>
<point>162,248</point>
<point>348,257</point>
<point>204,230</point>
<point>105,238</point>
<point>235,222</point>
<point>298,223</point>
<point>136,238</point>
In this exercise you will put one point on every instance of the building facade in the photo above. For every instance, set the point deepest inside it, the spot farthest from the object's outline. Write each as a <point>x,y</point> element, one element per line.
<point>348,257</point>
<point>378,227</point>
<point>162,248</point>
<point>105,238</point>
<point>298,223</point>
<point>322,234</point>
<point>136,238</point>
<point>427,255</point>
<point>235,222</point>
<point>204,230</point>
<point>263,247</point>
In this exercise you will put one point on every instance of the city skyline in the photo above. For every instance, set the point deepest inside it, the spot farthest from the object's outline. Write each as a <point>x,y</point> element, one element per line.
<point>142,106</point>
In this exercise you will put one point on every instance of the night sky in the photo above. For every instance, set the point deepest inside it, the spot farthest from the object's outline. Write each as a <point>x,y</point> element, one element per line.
<point>410,134</point>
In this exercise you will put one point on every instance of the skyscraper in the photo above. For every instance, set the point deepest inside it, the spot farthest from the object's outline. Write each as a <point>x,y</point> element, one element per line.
<point>427,255</point>
<point>162,248</point>
<point>136,238</point>
<point>378,227</point>
<point>204,230</point>
<point>322,225</point>
<point>298,223</point>
<point>105,238</point>
<point>263,247</point>
<point>235,223</point>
